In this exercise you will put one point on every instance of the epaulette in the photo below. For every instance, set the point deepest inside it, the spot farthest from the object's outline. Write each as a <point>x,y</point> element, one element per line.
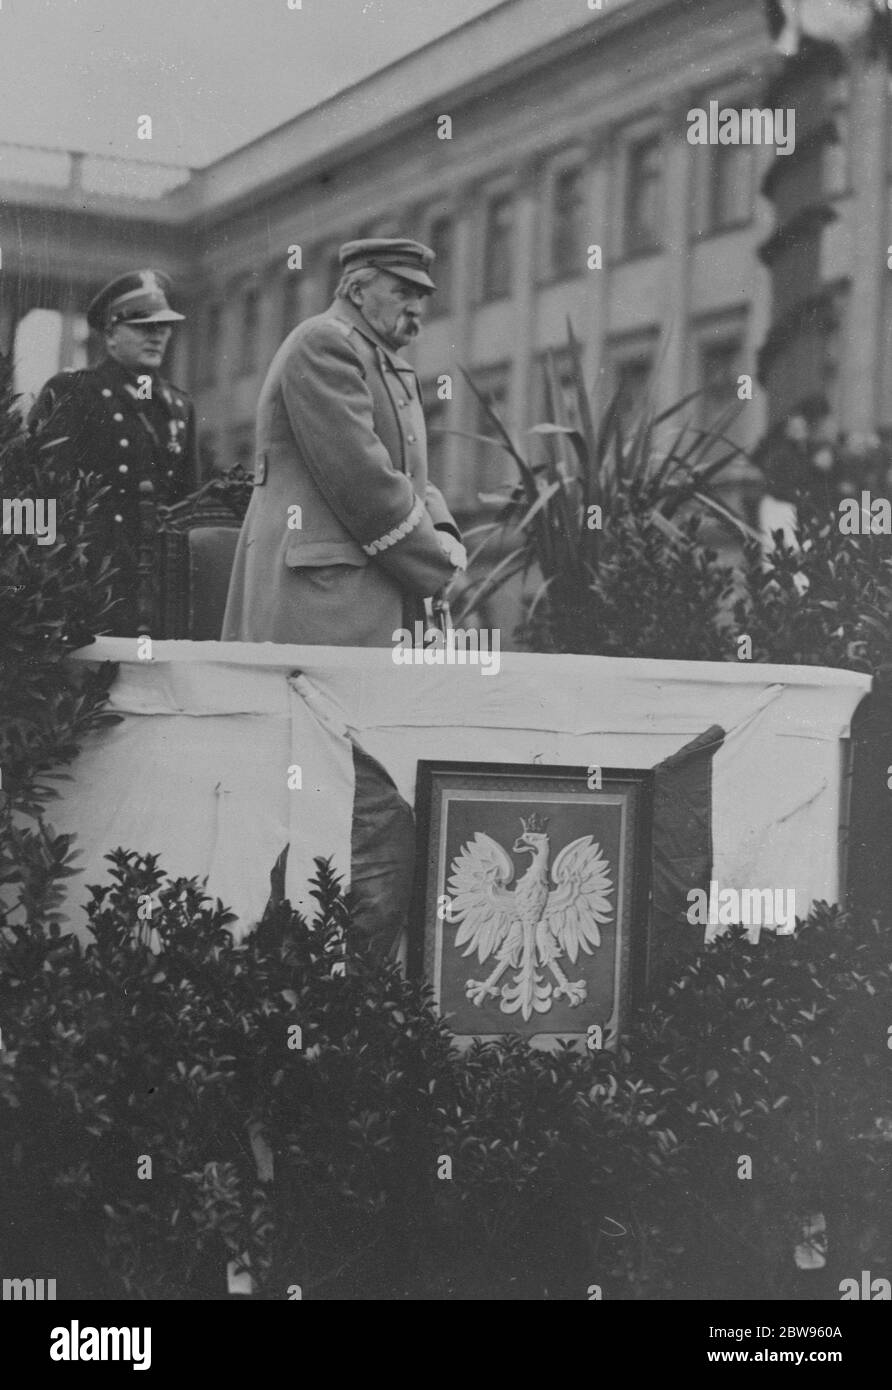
<point>67,379</point>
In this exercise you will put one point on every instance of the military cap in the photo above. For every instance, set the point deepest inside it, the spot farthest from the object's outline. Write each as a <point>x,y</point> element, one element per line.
<point>138,297</point>
<point>401,256</point>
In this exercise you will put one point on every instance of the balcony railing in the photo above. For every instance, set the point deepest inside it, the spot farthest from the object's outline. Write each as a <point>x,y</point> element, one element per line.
<point>102,175</point>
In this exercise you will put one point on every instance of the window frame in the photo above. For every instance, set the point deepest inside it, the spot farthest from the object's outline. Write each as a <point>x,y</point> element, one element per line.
<point>635,140</point>
<point>507,193</point>
<point>440,306</point>
<point>573,161</point>
<point>635,346</point>
<point>249,345</point>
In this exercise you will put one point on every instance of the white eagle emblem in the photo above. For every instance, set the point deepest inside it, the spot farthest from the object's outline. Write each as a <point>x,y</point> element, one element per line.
<point>531,926</point>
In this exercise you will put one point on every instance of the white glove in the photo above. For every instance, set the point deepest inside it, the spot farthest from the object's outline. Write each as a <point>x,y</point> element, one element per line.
<point>453,550</point>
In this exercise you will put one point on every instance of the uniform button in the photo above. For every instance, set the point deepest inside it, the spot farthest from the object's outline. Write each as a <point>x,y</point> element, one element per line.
<point>402,403</point>
<point>122,468</point>
<point>118,517</point>
<point>124,443</point>
<point>117,416</point>
<point>105,391</point>
<point>411,438</point>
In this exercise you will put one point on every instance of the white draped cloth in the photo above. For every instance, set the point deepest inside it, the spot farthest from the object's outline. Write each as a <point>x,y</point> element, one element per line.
<point>212,734</point>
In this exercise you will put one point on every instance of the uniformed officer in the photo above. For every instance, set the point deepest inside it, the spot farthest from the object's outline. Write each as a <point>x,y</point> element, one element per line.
<point>125,423</point>
<point>345,536</point>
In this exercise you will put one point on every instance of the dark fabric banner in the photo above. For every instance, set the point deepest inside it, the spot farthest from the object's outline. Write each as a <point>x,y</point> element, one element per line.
<point>382,853</point>
<point>682,848</point>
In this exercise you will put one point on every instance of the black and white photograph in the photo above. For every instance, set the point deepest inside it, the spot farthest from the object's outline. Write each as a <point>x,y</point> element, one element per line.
<point>446,667</point>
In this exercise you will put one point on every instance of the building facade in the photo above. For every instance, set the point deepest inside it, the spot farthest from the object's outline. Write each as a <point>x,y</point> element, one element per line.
<point>543,152</point>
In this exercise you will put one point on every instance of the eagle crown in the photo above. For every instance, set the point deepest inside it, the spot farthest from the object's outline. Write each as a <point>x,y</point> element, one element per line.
<point>534,839</point>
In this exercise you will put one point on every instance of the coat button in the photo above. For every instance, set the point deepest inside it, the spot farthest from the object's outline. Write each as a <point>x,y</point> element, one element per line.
<point>117,416</point>
<point>105,391</point>
<point>118,517</point>
<point>402,403</point>
<point>122,468</point>
<point>124,443</point>
<point>410,438</point>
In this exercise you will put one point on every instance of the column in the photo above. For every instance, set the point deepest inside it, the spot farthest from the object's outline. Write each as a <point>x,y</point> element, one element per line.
<point>593,327</point>
<point>677,191</point>
<point>759,317</point>
<point>862,357</point>
<point>459,453</point>
<point>526,279</point>
<point>66,341</point>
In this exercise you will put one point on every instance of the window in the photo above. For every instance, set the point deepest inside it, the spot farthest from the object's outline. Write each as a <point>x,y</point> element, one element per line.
<point>498,247</point>
<point>630,365</point>
<point>210,346</point>
<point>720,366</point>
<point>643,197</point>
<point>730,186</point>
<point>290,303</point>
<point>493,466</point>
<point>250,327</point>
<point>631,378</point>
<point>568,241</point>
<point>544,408</point>
<point>442,240</point>
<point>545,411</point>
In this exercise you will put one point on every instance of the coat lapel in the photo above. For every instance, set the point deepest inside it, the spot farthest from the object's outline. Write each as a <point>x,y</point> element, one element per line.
<point>399,369</point>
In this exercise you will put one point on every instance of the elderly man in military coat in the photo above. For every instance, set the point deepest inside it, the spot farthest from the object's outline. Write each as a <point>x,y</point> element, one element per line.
<point>345,536</point>
<point>121,421</point>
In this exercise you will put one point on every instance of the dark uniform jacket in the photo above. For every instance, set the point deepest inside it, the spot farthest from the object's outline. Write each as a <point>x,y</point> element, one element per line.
<point>122,439</point>
<point>339,543</point>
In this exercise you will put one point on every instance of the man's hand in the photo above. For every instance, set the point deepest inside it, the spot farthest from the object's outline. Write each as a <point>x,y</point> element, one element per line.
<point>453,550</point>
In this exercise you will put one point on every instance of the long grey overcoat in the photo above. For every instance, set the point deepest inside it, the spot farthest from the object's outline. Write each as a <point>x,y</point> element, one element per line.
<point>339,538</point>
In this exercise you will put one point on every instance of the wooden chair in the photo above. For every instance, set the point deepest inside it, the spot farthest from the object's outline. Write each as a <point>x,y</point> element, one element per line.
<point>186,557</point>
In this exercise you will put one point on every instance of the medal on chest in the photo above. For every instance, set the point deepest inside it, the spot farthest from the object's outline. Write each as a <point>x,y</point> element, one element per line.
<point>174,447</point>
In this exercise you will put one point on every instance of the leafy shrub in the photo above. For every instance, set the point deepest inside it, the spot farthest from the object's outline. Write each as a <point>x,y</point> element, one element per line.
<point>776,1050</point>
<point>322,1165</point>
<point>53,598</point>
<point>319,1164</point>
<point>825,601</point>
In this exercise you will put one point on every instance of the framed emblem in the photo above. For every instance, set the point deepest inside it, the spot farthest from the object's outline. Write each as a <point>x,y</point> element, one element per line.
<point>533,896</point>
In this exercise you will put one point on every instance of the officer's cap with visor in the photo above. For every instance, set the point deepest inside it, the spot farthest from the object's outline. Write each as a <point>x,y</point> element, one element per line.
<point>410,260</point>
<point>138,297</point>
